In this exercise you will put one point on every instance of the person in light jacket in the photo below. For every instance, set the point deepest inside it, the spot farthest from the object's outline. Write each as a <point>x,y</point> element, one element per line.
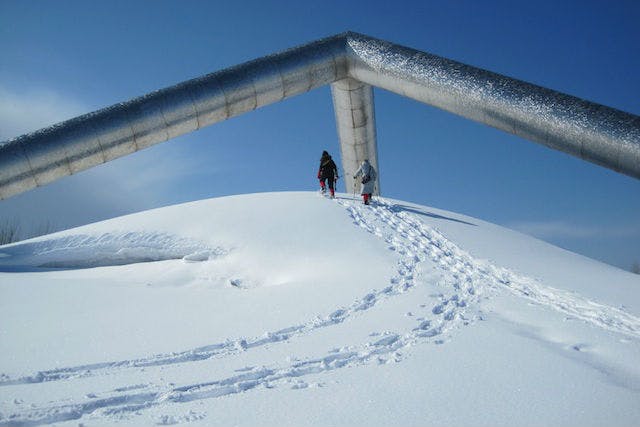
<point>368,174</point>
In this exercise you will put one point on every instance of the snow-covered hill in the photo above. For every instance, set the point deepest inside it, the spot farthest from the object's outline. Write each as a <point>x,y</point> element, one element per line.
<point>293,309</point>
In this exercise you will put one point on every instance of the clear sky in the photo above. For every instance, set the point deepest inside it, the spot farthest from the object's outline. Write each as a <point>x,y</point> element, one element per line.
<point>64,58</point>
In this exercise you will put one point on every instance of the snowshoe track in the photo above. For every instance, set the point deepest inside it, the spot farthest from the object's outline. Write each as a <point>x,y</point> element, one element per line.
<point>474,276</point>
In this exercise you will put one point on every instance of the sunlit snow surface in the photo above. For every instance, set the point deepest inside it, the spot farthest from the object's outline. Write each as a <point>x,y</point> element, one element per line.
<point>294,309</point>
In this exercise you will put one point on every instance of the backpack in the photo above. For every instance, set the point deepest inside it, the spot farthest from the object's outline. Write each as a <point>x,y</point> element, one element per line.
<point>369,175</point>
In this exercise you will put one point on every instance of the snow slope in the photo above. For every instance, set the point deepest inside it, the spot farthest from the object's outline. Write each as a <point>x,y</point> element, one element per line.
<point>293,309</point>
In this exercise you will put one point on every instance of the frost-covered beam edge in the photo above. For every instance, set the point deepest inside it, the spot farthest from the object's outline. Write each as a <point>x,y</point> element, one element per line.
<point>593,132</point>
<point>590,131</point>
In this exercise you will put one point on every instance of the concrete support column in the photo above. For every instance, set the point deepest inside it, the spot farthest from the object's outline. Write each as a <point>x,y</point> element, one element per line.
<point>355,121</point>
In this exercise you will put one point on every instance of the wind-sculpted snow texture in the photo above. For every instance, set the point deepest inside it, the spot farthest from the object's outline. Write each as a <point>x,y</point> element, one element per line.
<point>86,251</point>
<point>425,259</point>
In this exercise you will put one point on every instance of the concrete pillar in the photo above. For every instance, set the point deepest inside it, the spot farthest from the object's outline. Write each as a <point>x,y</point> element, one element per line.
<point>356,124</point>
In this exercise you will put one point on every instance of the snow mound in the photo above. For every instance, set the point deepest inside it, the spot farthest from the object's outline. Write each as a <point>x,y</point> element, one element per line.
<point>108,249</point>
<point>380,312</point>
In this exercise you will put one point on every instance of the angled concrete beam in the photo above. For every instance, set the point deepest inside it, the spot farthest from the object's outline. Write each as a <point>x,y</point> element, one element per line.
<point>593,132</point>
<point>51,153</point>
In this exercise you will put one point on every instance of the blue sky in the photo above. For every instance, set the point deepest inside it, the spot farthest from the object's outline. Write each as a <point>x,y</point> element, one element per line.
<point>64,58</point>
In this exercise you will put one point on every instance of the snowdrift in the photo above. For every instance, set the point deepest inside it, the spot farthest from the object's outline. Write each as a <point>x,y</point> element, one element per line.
<point>294,309</point>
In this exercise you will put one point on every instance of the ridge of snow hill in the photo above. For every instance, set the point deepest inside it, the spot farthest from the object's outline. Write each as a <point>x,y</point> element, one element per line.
<point>294,309</point>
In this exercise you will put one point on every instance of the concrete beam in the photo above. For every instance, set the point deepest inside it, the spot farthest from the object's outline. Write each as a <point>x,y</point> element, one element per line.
<point>351,63</point>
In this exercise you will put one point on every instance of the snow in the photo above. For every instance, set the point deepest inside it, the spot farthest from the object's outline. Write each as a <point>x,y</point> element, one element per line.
<point>294,309</point>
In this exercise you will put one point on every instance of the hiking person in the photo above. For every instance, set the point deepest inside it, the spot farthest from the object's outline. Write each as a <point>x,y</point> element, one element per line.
<point>368,174</point>
<point>328,171</point>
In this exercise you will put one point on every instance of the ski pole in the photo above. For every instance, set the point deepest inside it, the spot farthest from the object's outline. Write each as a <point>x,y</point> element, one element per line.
<point>354,189</point>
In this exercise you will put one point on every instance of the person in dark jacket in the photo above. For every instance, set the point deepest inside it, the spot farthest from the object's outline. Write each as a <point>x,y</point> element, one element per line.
<point>327,172</point>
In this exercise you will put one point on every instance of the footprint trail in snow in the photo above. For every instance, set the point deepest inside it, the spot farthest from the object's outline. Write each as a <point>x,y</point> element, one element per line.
<point>475,275</point>
<point>462,280</point>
